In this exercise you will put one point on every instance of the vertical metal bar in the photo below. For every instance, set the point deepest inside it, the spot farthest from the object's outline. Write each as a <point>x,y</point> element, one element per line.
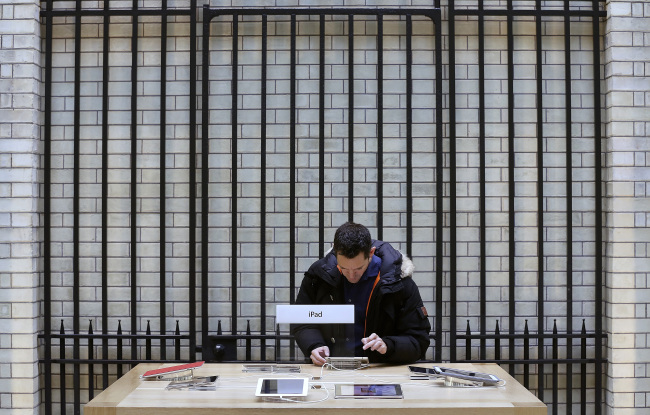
<point>583,371</point>
<point>292,164</point>
<point>452,191</point>
<point>321,138</point>
<point>47,207</point>
<point>205,171</point>
<point>177,343</point>
<point>569,203</point>
<point>497,342</point>
<point>468,343</point>
<point>482,198</point>
<point>248,341</point>
<point>147,341</point>
<point>91,367</point>
<point>134,177</point>
<point>526,355</point>
<point>62,380</point>
<point>105,108</point>
<point>76,210</point>
<point>119,348</point>
<point>554,368</point>
<point>440,187</point>
<point>540,195</point>
<point>263,186</point>
<point>351,118</point>
<point>192,190</point>
<point>512,310</point>
<point>380,126</point>
<point>292,170</point>
<point>234,208</point>
<point>409,135</point>
<point>163,181</point>
<point>598,225</point>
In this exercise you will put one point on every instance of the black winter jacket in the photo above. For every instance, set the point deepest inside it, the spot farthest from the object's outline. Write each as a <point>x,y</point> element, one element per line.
<point>395,311</point>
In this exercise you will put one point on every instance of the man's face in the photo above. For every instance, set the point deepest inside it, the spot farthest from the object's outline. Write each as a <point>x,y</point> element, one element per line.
<point>353,268</point>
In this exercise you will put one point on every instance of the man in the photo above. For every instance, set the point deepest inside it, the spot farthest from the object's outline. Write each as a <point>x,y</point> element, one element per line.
<point>391,323</point>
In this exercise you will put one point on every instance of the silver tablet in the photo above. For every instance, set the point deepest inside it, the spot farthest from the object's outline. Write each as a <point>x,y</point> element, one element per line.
<point>274,387</point>
<point>369,391</point>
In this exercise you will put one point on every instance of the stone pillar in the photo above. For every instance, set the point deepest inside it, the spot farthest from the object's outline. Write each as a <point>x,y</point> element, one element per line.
<point>19,219</point>
<point>627,74</point>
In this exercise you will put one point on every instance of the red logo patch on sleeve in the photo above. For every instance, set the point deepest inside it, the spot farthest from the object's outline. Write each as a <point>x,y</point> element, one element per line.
<point>424,311</point>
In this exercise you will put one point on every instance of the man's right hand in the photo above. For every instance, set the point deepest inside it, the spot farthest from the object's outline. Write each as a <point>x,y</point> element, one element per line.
<point>319,354</point>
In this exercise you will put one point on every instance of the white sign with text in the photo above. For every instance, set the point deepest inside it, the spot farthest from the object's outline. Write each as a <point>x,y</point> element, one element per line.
<point>315,314</point>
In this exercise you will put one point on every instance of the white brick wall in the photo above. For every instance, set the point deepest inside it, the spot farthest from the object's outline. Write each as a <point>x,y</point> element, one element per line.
<point>627,84</point>
<point>628,109</point>
<point>19,221</point>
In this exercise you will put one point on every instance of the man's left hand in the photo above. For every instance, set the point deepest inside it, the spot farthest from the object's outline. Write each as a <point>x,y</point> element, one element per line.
<point>374,343</point>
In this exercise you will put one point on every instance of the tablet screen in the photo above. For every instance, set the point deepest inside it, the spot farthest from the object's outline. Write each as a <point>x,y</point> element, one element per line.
<point>282,387</point>
<point>369,391</point>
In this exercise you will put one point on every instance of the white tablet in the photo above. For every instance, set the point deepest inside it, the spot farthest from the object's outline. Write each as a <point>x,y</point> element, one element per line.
<point>269,387</point>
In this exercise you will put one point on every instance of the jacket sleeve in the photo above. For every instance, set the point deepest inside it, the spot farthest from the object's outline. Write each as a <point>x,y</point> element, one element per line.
<point>412,340</point>
<point>308,336</point>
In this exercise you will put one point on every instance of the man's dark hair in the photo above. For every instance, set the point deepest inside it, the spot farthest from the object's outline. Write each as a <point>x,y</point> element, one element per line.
<point>352,238</point>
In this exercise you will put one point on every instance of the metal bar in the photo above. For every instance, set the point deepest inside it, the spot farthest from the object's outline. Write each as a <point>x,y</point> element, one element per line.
<point>62,371</point>
<point>351,118</point>
<point>540,193</point>
<point>119,348</point>
<point>292,164</point>
<point>335,11</point>
<point>598,226</point>
<point>134,177</point>
<point>453,255</point>
<point>554,370</point>
<point>468,343</point>
<point>321,137</point>
<point>530,13</point>
<point>583,373</point>
<point>482,198</point>
<point>147,341</point>
<point>91,369</point>
<point>497,343</point>
<point>263,184</point>
<point>205,171</point>
<point>526,355</point>
<point>192,190</point>
<point>569,203</point>
<point>380,127</point>
<point>105,138</point>
<point>118,335</point>
<point>47,210</point>
<point>76,208</point>
<point>440,187</point>
<point>512,253</point>
<point>112,12</point>
<point>409,135</point>
<point>163,181</point>
<point>177,343</point>
<point>234,208</point>
<point>527,336</point>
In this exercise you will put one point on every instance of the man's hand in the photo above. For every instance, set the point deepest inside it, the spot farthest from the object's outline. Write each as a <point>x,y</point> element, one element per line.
<point>374,343</point>
<point>319,354</point>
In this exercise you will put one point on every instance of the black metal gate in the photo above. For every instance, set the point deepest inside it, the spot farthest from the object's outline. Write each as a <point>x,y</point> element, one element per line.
<point>201,222</point>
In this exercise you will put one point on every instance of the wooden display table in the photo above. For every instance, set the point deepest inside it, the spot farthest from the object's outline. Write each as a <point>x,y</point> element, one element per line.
<point>235,394</point>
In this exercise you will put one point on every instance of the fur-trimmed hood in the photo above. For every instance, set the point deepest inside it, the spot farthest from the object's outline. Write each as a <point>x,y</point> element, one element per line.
<point>389,257</point>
